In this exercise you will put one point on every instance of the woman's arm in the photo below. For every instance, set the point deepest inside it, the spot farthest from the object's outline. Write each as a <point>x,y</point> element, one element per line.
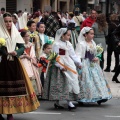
<point>20,50</point>
<point>74,57</point>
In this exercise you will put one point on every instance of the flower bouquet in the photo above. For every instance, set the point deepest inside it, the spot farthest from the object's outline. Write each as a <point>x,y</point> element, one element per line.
<point>99,51</point>
<point>2,47</point>
<point>2,42</point>
<point>32,36</point>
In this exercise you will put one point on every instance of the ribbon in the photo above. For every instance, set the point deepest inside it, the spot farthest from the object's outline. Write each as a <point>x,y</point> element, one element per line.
<point>58,60</point>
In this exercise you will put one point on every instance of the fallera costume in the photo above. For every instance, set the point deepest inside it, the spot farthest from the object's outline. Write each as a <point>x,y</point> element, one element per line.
<point>16,91</point>
<point>60,85</point>
<point>93,85</point>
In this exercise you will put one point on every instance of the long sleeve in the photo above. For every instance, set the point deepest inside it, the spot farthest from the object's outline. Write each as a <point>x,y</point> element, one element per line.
<point>56,50</point>
<point>20,49</point>
<point>74,57</point>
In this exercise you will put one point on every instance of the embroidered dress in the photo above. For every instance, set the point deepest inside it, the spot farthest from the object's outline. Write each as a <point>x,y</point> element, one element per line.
<point>16,91</point>
<point>60,85</point>
<point>31,69</point>
<point>93,85</point>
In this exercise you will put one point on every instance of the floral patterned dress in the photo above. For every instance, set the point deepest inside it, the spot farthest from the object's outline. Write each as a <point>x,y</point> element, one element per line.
<point>93,84</point>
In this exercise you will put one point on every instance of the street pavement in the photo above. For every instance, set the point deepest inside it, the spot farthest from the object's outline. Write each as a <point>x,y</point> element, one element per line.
<point>92,111</point>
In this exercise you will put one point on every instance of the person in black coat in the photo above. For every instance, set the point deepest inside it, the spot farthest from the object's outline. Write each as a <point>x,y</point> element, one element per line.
<point>114,22</point>
<point>116,35</point>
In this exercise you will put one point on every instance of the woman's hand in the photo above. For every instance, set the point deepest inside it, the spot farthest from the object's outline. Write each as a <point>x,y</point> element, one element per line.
<point>28,57</point>
<point>95,59</point>
<point>14,53</point>
<point>22,56</point>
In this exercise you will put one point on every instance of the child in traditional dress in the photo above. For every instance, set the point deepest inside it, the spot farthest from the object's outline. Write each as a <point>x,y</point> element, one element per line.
<point>93,85</point>
<point>29,60</point>
<point>61,82</point>
<point>34,37</point>
<point>41,32</point>
<point>43,62</point>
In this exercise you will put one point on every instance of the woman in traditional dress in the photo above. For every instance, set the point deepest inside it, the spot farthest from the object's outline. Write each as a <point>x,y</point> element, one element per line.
<point>93,85</point>
<point>16,91</point>
<point>61,82</point>
<point>29,61</point>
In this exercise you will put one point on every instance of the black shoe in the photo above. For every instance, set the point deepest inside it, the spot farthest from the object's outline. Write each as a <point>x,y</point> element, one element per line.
<point>107,70</point>
<point>81,103</point>
<point>99,102</point>
<point>1,117</point>
<point>71,108</point>
<point>58,106</point>
<point>115,80</point>
<point>102,101</point>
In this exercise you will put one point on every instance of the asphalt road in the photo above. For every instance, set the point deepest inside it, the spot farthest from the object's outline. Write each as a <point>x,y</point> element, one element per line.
<point>92,111</point>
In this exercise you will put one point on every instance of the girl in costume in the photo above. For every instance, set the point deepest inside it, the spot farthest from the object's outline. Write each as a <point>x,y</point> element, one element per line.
<point>16,91</point>
<point>93,85</point>
<point>61,82</point>
<point>43,38</point>
<point>43,62</point>
<point>34,37</point>
<point>29,60</point>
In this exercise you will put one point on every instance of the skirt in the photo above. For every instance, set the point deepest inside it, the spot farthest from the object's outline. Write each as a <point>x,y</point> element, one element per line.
<point>16,91</point>
<point>93,85</point>
<point>56,86</point>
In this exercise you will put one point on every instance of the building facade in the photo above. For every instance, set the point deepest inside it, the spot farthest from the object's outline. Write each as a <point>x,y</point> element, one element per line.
<point>62,5</point>
<point>24,5</point>
<point>33,5</point>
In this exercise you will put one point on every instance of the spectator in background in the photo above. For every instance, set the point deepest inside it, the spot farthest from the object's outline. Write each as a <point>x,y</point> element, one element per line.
<point>45,16</point>
<point>116,34</point>
<point>36,18</point>
<point>90,20</point>
<point>40,14</point>
<point>100,28</point>
<point>2,11</point>
<point>114,22</point>
<point>52,24</point>
<point>78,20</point>
<point>84,15</point>
<point>15,20</point>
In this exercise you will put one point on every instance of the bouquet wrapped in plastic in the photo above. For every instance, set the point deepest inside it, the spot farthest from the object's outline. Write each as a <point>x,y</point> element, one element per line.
<point>99,51</point>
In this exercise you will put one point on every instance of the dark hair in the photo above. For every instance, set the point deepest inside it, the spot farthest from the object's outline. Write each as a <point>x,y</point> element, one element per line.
<point>93,10</point>
<point>2,9</point>
<point>20,11</point>
<point>7,14</point>
<point>45,45</point>
<point>39,23</point>
<point>29,23</point>
<point>23,33</point>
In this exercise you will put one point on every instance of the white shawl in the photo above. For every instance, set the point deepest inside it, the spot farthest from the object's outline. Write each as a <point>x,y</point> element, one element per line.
<point>22,20</point>
<point>10,40</point>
